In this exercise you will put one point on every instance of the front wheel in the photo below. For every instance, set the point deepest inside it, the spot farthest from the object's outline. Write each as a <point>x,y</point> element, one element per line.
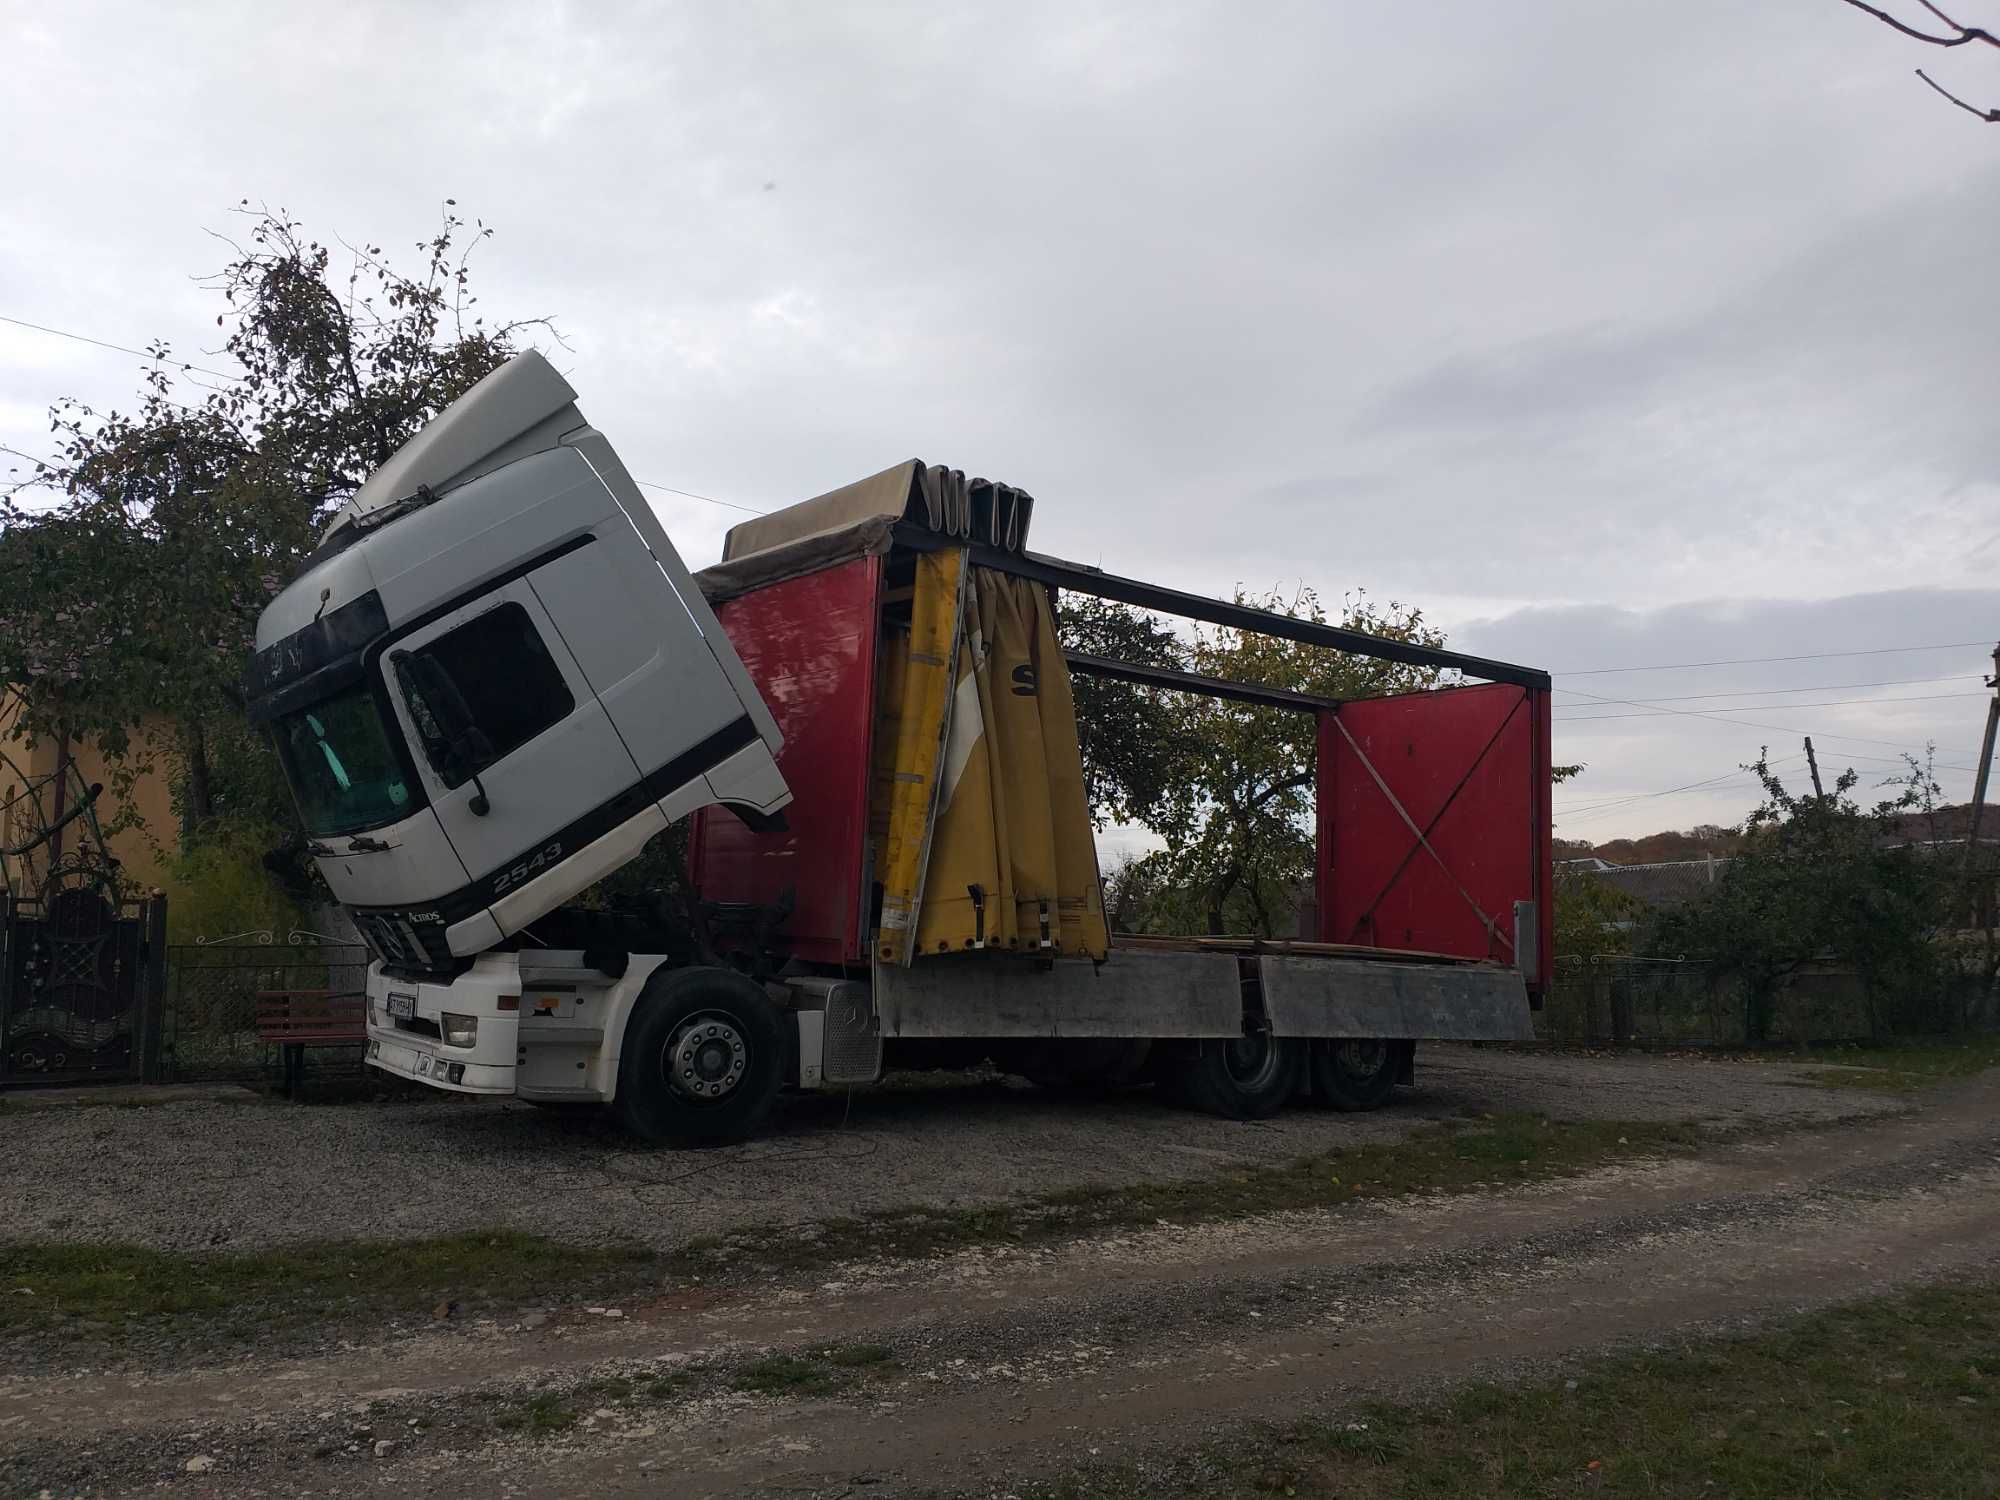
<point>702,1061</point>
<point>1358,1074</point>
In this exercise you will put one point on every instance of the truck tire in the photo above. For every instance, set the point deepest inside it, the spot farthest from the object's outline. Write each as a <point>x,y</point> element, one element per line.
<point>702,1059</point>
<point>1250,1077</point>
<point>1357,1073</point>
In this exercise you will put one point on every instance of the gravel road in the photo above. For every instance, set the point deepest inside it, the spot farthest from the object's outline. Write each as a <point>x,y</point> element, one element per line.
<point>1008,1361</point>
<point>201,1175</point>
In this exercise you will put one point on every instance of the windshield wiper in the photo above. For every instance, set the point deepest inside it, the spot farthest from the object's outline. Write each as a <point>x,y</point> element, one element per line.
<point>362,844</point>
<point>319,850</point>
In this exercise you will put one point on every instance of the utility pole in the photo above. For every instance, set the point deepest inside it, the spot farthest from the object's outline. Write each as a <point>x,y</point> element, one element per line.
<point>1813,761</point>
<point>1985,765</point>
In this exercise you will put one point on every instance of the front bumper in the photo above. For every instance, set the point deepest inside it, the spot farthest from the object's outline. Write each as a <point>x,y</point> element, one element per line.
<point>489,992</point>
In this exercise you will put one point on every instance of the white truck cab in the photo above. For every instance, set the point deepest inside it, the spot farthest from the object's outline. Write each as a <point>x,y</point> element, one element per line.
<point>494,680</point>
<point>491,684</point>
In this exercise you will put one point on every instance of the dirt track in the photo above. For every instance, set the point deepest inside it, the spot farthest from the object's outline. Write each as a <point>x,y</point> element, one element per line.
<point>1014,1361</point>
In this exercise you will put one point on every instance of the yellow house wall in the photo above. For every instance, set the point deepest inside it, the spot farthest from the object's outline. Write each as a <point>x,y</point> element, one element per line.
<point>141,850</point>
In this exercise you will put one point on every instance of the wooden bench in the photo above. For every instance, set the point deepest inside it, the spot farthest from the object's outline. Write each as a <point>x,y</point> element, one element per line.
<point>298,1019</point>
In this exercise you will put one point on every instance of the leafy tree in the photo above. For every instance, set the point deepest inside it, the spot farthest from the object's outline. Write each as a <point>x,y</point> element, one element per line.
<point>1227,786</point>
<point>1594,919</point>
<point>137,596</point>
<point>1819,877</point>
<point>1133,737</point>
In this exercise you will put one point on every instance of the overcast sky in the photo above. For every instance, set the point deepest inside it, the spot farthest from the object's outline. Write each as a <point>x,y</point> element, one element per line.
<point>1612,335</point>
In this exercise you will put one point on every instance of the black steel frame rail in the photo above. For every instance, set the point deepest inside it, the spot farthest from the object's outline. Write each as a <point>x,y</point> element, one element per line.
<point>1084,663</point>
<point>1062,575</point>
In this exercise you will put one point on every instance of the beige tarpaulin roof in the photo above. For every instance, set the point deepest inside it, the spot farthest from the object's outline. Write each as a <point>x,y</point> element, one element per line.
<point>932,496</point>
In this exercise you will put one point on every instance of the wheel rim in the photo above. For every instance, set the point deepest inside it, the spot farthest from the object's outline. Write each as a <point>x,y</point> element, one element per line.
<point>1251,1060</point>
<point>706,1058</point>
<point>1360,1061</point>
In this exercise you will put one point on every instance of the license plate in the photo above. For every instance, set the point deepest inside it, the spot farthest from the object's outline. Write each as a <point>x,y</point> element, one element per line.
<point>402,1007</point>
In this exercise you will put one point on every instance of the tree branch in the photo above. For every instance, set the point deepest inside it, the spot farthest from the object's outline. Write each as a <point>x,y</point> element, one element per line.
<point>1990,116</point>
<point>1302,778</point>
<point>1964,33</point>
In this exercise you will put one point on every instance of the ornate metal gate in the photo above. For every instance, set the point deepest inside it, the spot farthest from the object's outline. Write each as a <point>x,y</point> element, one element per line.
<point>82,966</point>
<point>82,976</point>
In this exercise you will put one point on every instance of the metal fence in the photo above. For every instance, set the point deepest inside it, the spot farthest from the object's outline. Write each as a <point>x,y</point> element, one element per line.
<point>1669,1001</point>
<point>210,1030</point>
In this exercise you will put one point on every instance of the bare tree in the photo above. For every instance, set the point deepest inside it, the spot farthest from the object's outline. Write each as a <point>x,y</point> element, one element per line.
<point>1957,36</point>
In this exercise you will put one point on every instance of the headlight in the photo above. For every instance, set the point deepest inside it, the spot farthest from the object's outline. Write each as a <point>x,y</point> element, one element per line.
<point>459,1031</point>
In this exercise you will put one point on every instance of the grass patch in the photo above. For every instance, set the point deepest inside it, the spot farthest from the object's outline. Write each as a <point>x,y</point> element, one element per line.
<point>1502,1150</point>
<point>541,1416</point>
<point>1902,1069</point>
<point>1895,1396</point>
<point>58,1285</point>
<point>785,1375</point>
<point>858,1356</point>
<point>98,1288</point>
<point>818,1372</point>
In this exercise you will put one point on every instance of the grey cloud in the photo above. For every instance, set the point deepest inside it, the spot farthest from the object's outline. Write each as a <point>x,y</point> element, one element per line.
<point>1644,732</point>
<point>1555,303</point>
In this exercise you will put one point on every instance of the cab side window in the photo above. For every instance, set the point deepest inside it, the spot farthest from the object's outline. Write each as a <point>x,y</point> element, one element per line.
<point>480,691</point>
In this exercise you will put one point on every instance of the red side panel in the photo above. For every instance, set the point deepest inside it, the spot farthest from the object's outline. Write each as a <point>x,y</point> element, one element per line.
<point>1469,768</point>
<point>809,644</point>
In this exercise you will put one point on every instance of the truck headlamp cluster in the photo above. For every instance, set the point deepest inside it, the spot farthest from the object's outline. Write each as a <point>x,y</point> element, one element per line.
<point>459,1031</point>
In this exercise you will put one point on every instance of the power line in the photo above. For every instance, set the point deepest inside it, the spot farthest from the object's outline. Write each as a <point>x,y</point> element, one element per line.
<point>1824,687</point>
<point>725,504</point>
<point>1697,713</point>
<point>1609,803</point>
<point>84,338</point>
<point>41,462</point>
<point>1745,661</point>
<point>1752,708</point>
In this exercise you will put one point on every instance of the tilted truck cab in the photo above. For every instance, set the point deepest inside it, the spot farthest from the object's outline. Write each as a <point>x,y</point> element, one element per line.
<point>490,686</point>
<point>495,681</point>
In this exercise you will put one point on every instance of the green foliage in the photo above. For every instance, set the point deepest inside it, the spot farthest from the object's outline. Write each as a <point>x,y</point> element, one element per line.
<point>1818,877</point>
<point>1132,736</point>
<point>1593,919</point>
<point>138,594</point>
<point>220,886</point>
<point>1227,786</point>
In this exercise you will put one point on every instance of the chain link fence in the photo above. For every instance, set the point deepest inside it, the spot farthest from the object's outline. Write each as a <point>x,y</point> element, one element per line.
<point>210,1029</point>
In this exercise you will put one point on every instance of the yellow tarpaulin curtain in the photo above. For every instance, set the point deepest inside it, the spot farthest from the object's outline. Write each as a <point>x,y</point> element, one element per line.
<point>1007,858</point>
<point>916,671</point>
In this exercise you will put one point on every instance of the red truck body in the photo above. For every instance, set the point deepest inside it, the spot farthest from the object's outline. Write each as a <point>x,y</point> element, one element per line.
<point>1433,807</point>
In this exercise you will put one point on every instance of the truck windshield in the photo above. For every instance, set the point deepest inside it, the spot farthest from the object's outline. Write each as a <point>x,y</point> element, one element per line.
<point>342,765</point>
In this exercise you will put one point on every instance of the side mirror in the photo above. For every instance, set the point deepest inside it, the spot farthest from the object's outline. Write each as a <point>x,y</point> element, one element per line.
<point>472,748</point>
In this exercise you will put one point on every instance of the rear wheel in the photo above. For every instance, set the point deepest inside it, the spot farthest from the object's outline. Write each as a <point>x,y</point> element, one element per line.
<point>1357,1073</point>
<point>1250,1077</point>
<point>702,1060</point>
